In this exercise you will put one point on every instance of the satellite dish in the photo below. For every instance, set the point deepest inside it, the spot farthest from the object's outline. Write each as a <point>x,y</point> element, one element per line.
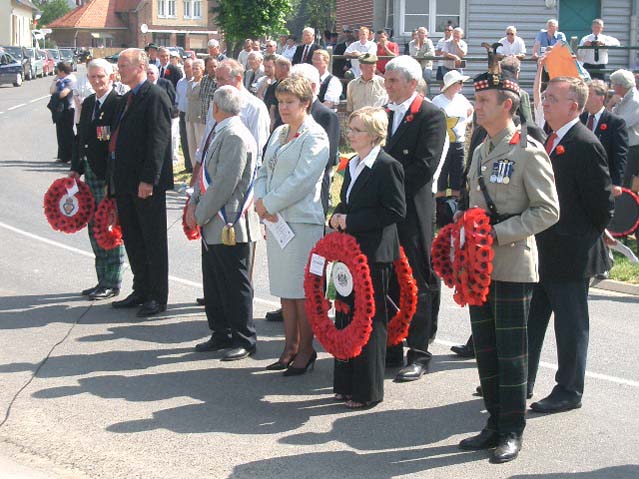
<point>144,28</point>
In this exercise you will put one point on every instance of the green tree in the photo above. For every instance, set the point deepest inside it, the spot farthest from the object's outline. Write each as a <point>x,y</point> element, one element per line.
<point>321,15</point>
<point>51,10</point>
<point>240,19</point>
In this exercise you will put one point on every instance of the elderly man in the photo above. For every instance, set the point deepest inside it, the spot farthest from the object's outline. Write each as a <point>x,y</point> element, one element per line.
<point>572,251</point>
<point>243,55</point>
<point>609,129</point>
<point>356,49</point>
<point>623,83</point>
<point>208,84</point>
<point>153,75</point>
<point>419,48</point>
<point>270,47</point>
<point>94,130</point>
<point>546,39</point>
<point>416,138</point>
<point>330,88</point>
<point>221,205</point>
<point>511,44</point>
<point>454,51</point>
<point>254,72</point>
<point>142,171</point>
<point>182,105</point>
<point>304,52</point>
<point>214,50</point>
<point>167,70</point>
<point>368,89</point>
<point>596,59</point>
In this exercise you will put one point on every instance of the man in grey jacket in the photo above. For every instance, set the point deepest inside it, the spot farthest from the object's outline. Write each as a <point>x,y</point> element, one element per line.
<point>222,206</point>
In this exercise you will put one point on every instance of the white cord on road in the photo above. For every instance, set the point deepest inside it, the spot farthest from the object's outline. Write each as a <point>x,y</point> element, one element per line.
<point>195,284</point>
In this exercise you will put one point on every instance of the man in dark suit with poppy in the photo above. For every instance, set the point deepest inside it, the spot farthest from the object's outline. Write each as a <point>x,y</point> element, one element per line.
<point>416,137</point>
<point>142,171</point>
<point>304,52</point>
<point>572,250</point>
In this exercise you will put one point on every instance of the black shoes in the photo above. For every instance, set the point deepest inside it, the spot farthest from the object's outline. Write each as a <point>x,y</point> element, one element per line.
<point>552,404</point>
<point>103,293</point>
<point>463,351</point>
<point>486,439</point>
<point>507,448</point>
<point>212,345</point>
<point>150,308</point>
<point>238,353</point>
<point>200,301</point>
<point>412,372</point>
<point>293,371</point>
<point>280,365</point>
<point>87,292</point>
<point>131,301</point>
<point>275,316</point>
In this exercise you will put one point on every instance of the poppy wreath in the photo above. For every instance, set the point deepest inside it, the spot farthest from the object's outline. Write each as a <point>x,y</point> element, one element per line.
<point>400,323</point>
<point>68,205</point>
<point>106,227</point>
<point>191,233</point>
<point>346,343</point>
<point>469,266</point>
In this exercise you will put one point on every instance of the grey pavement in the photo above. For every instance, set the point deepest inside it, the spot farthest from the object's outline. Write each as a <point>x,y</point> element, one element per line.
<point>90,392</point>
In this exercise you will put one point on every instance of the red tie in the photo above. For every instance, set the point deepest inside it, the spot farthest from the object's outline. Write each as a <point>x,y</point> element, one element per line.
<point>114,137</point>
<point>591,122</point>
<point>550,143</point>
<point>305,55</point>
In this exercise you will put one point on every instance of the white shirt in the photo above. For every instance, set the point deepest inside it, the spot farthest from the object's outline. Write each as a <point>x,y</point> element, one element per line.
<point>103,97</point>
<point>289,52</point>
<point>368,47</point>
<point>242,57</point>
<point>356,166</point>
<point>180,94</point>
<point>588,56</point>
<point>517,47</point>
<point>400,110</point>
<point>438,48</point>
<point>561,132</point>
<point>456,108</point>
<point>334,90</point>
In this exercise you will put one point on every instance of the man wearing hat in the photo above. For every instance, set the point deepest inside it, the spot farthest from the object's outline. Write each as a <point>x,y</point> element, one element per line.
<point>511,178</point>
<point>152,51</point>
<point>368,89</point>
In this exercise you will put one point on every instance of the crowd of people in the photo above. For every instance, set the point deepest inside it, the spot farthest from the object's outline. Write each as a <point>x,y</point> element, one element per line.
<point>260,135</point>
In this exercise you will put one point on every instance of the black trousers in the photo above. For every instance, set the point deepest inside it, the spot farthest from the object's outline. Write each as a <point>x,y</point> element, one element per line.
<point>144,233</point>
<point>363,377</point>
<point>424,324</point>
<point>65,135</point>
<point>228,293</point>
<point>569,301</point>
<point>185,144</point>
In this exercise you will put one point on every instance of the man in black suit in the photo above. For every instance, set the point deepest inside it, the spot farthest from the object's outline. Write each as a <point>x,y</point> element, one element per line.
<point>304,52</point>
<point>142,171</point>
<point>167,71</point>
<point>94,130</point>
<point>571,251</point>
<point>341,66</point>
<point>416,137</point>
<point>153,76</point>
<point>610,129</point>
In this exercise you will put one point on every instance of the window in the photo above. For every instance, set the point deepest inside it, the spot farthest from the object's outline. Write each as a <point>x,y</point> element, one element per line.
<point>187,9</point>
<point>197,8</point>
<point>170,8</point>
<point>432,14</point>
<point>161,8</point>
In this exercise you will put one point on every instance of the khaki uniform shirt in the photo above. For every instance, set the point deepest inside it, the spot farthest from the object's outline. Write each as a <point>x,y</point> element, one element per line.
<point>520,182</point>
<point>360,93</point>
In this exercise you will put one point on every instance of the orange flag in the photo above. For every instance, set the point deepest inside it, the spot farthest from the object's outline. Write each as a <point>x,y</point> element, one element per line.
<point>560,62</point>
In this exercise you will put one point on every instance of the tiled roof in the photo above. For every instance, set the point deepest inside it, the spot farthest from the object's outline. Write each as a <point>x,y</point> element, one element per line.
<point>94,14</point>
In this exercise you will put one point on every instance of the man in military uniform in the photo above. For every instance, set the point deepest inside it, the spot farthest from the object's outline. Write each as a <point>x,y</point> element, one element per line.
<point>511,178</point>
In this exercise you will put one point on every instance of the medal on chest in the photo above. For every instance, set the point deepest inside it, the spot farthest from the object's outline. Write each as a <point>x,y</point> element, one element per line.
<point>502,171</point>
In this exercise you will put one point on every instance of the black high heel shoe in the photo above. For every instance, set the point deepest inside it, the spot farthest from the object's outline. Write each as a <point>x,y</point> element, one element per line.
<point>293,371</point>
<point>279,365</point>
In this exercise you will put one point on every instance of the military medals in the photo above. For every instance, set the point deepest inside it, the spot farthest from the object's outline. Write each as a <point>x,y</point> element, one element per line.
<point>228,235</point>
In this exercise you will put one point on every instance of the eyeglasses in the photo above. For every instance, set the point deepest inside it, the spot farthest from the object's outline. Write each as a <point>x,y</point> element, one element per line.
<point>510,33</point>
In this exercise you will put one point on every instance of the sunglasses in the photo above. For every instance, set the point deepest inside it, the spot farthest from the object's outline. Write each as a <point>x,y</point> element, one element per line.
<point>510,33</point>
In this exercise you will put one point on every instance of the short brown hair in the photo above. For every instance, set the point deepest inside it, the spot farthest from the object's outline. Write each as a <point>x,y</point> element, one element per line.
<point>297,86</point>
<point>577,88</point>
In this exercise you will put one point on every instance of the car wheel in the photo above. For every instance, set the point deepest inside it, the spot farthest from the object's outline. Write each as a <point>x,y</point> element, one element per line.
<point>18,81</point>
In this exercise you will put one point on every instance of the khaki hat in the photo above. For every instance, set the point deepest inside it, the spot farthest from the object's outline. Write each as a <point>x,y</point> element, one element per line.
<point>368,59</point>
<point>453,77</point>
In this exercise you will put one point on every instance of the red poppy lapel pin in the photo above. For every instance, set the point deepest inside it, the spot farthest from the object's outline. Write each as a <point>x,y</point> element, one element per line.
<point>560,150</point>
<point>603,127</point>
<point>414,108</point>
<point>515,139</point>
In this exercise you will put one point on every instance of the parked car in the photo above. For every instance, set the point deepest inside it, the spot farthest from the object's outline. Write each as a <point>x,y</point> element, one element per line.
<point>11,70</point>
<point>37,62</point>
<point>55,53</point>
<point>68,55</point>
<point>22,55</point>
<point>48,62</point>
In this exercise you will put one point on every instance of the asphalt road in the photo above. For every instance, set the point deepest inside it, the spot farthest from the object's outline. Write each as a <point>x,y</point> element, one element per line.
<point>87,391</point>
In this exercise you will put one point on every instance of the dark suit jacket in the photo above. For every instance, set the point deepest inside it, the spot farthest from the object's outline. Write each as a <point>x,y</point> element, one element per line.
<point>614,138</point>
<point>573,248</point>
<point>376,203</point>
<point>143,146</point>
<point>299,51</point>
<point>169,89</point>
<point>340,65</point>
<point>329,120</point>
<point>417,145</point>
<point>172,74</point>
<point>96,151</point>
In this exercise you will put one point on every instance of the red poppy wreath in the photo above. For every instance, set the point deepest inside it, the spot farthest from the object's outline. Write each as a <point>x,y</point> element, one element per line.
<point>400,323</point>
<point>106,227</point>
<point>68,205</point>
<point>191,233</point>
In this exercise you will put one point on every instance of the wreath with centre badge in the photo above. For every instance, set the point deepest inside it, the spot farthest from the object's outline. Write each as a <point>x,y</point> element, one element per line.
<point>68,205</point>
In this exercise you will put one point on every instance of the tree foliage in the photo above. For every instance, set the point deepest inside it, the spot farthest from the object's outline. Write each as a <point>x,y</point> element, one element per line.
<point>240,19</point>
<point>321,14</point>
<point>51,10</point>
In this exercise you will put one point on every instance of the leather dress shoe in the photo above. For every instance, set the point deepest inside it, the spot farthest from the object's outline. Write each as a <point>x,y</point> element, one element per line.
<point>150,308</point>
<point>411,372</point>
<point>212,344</point>
<point>238,353</point>
<point>88,291</point>
<point>200,301</point>
<point>552,404</point>
<point>275,316</point>
<point>463,351</point>
<point>104,293</point>
<point>131,301</point>
<point>507,448</point>
<point>486,439</point>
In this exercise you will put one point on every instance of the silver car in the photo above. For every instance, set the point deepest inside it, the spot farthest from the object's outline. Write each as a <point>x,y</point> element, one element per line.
<point>37,62</point>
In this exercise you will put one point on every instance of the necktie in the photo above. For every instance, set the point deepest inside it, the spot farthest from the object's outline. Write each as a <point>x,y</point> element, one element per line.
<point>596,51</point>
<point>114,137</point>
<point>96,110</point>
<point>305,55</point>
<point>550,143</point>
<point>591,122</point>
<point>161,72</point>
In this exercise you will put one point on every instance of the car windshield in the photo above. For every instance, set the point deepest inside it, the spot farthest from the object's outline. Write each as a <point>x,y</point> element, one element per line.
<point>66,54</point>
<point>15,51</point>
<point>55,54</point>
<point>31,52</point>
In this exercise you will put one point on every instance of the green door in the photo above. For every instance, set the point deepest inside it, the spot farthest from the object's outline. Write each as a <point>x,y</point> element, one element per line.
<point>576,16</point>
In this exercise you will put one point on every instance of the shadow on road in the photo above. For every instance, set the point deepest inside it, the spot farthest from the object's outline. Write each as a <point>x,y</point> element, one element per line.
<point>47,166</point>
<point>627,471</point>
